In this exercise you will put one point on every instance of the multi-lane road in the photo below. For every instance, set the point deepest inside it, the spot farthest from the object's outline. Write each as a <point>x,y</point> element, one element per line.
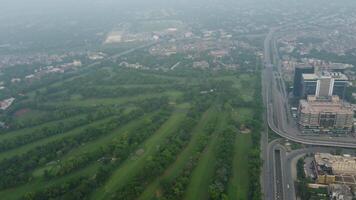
<point>277,182</point>
<point>276,101</point>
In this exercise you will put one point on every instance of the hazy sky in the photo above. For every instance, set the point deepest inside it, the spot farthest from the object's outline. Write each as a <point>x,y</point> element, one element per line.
<point>24,8</point>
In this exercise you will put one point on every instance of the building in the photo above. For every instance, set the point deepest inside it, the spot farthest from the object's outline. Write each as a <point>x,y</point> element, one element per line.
<point>330,169</point>
<point>309,85</point>
<point>324,84</point>
<point>5,104</point>
<point>325,115</point>
<point>335,164</point>
<point>299,71</point>
<point>340,84</point>
<point>340,192</point>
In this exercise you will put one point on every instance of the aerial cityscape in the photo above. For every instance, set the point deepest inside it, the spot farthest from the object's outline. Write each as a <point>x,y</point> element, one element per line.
<point>170,100</point>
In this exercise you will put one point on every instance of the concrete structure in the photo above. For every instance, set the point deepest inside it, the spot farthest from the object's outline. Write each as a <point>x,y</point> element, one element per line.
<point>335,164</point>
<point>309,85</point>
<point>5,104</point>
<point>325,115</point>
<point>299,71</point>
<point>324,84</point>
<point>325,179</point>
<point>340,84</point>
<point>340,192</point>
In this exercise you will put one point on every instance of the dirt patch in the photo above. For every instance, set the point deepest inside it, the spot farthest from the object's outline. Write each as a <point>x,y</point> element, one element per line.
<point>140,152</point>
<point>21,112</point>
<point>245,131</point>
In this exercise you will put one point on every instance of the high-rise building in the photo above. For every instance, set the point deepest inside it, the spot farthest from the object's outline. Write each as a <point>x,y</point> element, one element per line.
<point>309,85</point>
<point>340,84</point>
<point>324,84</point>
<point>325,115</point>
<point>298,73</point>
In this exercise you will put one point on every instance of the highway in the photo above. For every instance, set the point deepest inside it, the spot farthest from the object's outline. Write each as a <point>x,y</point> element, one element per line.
<point>277,182</point>
<point>278,174</point>
<point>278,116</point>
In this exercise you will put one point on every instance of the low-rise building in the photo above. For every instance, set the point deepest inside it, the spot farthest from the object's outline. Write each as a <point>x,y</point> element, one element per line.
<point>340,192</point>
<point>325,115</point>
<point>5,104</point>
<point>327,163</point>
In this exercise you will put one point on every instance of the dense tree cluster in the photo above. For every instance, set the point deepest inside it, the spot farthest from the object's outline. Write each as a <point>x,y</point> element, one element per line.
<point>255,162</point>
<point>223,171</point>
<point>17,169</point>
<point>97,92</point>
<point>49,114</point>
<point>302,183</point>
<point>74,189</point>
<point>174,189</point>
<point>165,155</point>
<point>44,132</point>
<point>119,149</point>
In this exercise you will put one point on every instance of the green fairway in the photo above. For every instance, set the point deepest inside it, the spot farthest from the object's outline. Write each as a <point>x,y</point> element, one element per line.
<point>183,157</point>
<point>238,186</point>
<point>39,183</point>
<point>97,144</point>
<point>113,101</point>
<point>116,133</point>
<point>242,114</point>
<point>202,174</point>
<point>131,167</point>
<point>109,137</point>
<point>25,148</point>
<point>24,131</point>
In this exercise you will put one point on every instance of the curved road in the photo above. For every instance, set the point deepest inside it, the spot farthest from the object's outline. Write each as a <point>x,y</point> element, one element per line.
<point>278,119</point>
<point>277,106</point>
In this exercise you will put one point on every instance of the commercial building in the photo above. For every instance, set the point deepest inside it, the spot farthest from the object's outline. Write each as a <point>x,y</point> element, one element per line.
<point>340,84</point>
<point>298,73</point>
<point>325,115</point>
<point>324,84</point>
<point>309,85</point>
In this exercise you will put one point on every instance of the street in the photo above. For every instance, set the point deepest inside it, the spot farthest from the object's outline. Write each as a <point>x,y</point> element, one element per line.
<point>278,182</point>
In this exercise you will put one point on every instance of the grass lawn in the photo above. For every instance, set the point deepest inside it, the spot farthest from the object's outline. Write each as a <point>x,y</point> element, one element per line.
<point>183,157</point>
<point>242,114</point>
<point>131,166</point>
<point>238,186</point>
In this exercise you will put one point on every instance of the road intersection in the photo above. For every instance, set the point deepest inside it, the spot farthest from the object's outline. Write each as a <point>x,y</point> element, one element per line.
<point>277,182</point>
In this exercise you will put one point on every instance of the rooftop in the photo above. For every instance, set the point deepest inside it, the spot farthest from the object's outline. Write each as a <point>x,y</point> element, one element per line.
<point>340,164</point>
<point>324,75</point>
<point>316,105</point>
